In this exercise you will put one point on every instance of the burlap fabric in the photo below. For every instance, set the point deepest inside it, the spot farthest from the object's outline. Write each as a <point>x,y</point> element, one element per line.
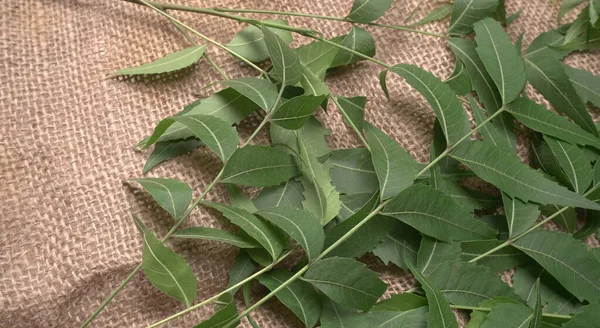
<point>67,238</point>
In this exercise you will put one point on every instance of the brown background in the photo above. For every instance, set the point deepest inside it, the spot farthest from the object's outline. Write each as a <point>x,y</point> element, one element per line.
<point>67,239</point>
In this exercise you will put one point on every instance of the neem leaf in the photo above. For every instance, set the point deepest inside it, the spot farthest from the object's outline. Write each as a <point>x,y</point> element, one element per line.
<point>217,134</point>
<point>261,91</point>
<point>548,76</point>
<point>435,214</point>
<point>466,12</point>
<point>566,6</point>
<point>566,219</point>
<point>352,171</point>
<point>223,316</point>
<point>164,151</point>
<point>508,315</point>
<point>293,113</point>
<point>520,215</point>
<point>238,199</point>
<point>469,284</point>
<point>440,96</point>
<point>437,13</point>
<point>401,241</point>
<point>167,270</point>
<point>574,162</point>
<point>261,231</point>
<point>346,282</point>
<point>249,42</point>
<point>539,118</point>
<point>567,259</point>
<point>358,40</point>
<point>337,316</point>
<point>364,240</point>
<point>312,84</point>
<point>172,195</point>
<point>217,235</point>
<point>433,253</point>
<point>500,58</point>
<point>506,172</point>
<point>545,45</point>
<point>286,64</point>
<point>489,132</point>
<point>395,167</point>
<point>503,259</point>
<point>440,314</point>
<point>351,204</point>
<point>171,62</point>
<point>288,193</point>
<point>588,318</point>
<point>298,296</point>
<point>242,268</point>
<point>366,11</point>
<point>301,225</point>
<point>586,84</point>
<point>353,110</point>
<point>259,166</point>
<point>317,57</point>
<point>459,80</point>
<point>536,321</point>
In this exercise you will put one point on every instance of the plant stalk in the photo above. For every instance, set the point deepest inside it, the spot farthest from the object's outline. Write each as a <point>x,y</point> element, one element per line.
<point>486,309</point>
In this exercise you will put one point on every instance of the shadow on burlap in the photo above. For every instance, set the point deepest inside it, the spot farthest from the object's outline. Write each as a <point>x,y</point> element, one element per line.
<point>67,237</point>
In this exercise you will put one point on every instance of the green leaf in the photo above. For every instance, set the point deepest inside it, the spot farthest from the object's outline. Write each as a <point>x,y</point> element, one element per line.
<point>503,259</point>
<point>539,118</point>
<point>337,316</point>
<point>312,84</point>
<point>436,14</point>
<point>238,199</point>
<point>433,253</point>
<point>358,40</point>
<point>164,151</point>
<point>318,56</point>
<point>440,314</point>
<point>588,318</point>
<point>565,258</point>
<point>242,268</point>
<point>262,232</point>
<point>261,91</point>
<point>586,84</point>
<point>574,162</point>
<point>520,215</point>
<point>351,204</point>
<point>566,6</point>
<point>518,180</point>
<point>172,195</point>
<point>346,282</point>
<point>469,284</point>
<point>249,42</point>
<point>489,132</point>
<point>395,167</point>
<point>466,12</point>
<point>435,214</point>
<point>440,96</point>
<point>288,193</point>
<point>364,240</point>
<point>536,321</point>
<point>293,113</point>
<point>566,219</point>
<point>459,80</point>
<point>259,166</point>
<point>548,76</point>
<point>352,171</point>
<point>217,235</point>
<point>321,198</point>
<point>217,134</point>
<point>500,58</point>
<point>576,29</point>
<point>298,296</point>
<point>353,111</point>
<point>169,63</point>
<point>400,302</point>
<point>508,315</point>
<point>478,317</point>
<point>301,225</point>
<point>401,240</point>
<point>286,64</point>
<point>223,316</point>
<point>165,269</point>
<point>545,44</point>
<point>366,11</point>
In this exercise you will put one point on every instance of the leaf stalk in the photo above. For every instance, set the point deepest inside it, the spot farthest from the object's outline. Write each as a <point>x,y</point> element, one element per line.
<point>486,309</point>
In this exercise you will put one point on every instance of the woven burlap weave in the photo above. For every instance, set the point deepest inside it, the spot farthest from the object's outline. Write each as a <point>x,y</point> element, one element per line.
<point>67,239</point>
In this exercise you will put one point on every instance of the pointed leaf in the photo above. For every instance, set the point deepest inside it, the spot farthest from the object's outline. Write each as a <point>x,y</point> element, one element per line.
<point>433,253</point>
<point>261,91</point>
<point>401,241</point>
<point>501,60</point>
<point>288,193</point>
<point>366,11</point>
<point>351,204</point>
<point>262,232</point>
<point>164,151</point>
<point>548,76</point>
<point>459,80</point>
<point>466,12</point>
<point>566,6</point>
<point>242,268</point>
<point>223,316</point>
<point>506,172</point>
<point>346,282</point>
<point>539,118</point>
<point>574,162</point>
<point>588,318</point>
<point>318,56</point>
<point>357,40</point>
<point>293,113</point>
<point>249,42</point>
<point>520,215</point>
<point>300,225</point>
<point>259,166</point>
<point>169,63</point>
<point>503,259</point>
<point>172,195</point>
<point>435,214</point>
<point>566,219</point>
<point>352,171</point>
<point>490,133</point>
<point>545,45</point>
<point>238,199</point>
<point>312,84</point>
<point>217,134</point>
<point>436,14</point>
<point>217,235</point>
<point>395,167</point>
<point>440,314</point>
<point>353,111</point>
<point>364,240</point>
<point>565,258</point>
<point>536,321</point>
<point>298,296</point>
<point>508,315</point>
<point>586,84</point>
<point>286,64</point>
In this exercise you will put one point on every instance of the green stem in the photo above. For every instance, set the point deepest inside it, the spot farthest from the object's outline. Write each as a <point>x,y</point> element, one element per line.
<point>215,66</point>
<point>347,118</point>
<point>486,309</point>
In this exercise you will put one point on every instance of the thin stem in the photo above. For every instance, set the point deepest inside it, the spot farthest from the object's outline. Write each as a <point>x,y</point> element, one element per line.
<point>215,66</point>
<point>347,118</point>
<point>486,309</point>
<point>378,62</point>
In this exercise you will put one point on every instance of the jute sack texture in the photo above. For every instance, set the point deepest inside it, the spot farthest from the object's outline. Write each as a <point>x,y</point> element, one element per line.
<point>67,238</point>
